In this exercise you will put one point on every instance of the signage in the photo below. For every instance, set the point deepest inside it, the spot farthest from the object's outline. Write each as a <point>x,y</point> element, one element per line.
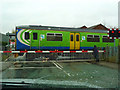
<point>83,37</point>
<point>42,36</point>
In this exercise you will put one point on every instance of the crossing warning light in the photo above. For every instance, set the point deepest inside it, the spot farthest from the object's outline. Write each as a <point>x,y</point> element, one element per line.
<point>114,33</point>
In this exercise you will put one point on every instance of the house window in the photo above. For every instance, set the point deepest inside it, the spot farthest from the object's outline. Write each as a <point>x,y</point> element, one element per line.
<point>26,35</point>
<point>105,39</point>
<point>34,36</point>
<point>54,37</point>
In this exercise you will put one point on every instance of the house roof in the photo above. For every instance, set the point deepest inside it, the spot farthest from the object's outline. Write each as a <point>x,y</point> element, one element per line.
<point>83,27</point>
<point>99,26</point>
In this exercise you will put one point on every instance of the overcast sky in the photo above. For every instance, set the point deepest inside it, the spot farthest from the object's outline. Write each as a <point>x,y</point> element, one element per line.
<point>71,13</point>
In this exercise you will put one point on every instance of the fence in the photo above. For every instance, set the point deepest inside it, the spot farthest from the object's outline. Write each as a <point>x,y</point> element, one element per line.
<point>112,54</point>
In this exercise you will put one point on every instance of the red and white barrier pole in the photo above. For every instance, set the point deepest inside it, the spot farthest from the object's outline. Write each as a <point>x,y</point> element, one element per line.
<point>82,51</point>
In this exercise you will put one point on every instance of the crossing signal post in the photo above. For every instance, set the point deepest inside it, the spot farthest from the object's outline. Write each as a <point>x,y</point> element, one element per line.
<point>115,34</point>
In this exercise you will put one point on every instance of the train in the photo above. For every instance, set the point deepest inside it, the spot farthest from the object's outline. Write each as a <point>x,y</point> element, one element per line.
<point>37,37</point>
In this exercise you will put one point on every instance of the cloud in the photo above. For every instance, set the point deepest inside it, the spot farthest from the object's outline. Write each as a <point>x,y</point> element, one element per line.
<point>58,12</point>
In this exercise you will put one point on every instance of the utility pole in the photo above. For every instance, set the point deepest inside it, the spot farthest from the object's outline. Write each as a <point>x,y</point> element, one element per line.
<point>8,41</point>
<point>119,52</point>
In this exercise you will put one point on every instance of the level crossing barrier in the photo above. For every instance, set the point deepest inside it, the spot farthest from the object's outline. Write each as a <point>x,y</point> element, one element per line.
<point>82,51</point>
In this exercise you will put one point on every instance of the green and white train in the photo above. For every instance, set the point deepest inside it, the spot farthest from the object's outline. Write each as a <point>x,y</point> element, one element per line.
<point>33,37</point>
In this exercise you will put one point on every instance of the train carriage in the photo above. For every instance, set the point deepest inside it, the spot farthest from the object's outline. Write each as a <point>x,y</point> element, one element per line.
<point>33,37</point>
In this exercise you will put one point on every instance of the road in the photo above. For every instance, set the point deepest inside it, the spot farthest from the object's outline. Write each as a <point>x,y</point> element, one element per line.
<point>74,72</point>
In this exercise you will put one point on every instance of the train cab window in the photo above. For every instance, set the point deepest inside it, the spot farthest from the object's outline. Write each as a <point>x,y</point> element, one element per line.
<point>27,35</point>
<point>71,38</point>
<point>77,37</point>
<point>105,39</point>
<point>54,37</point>
<point>34,36</point>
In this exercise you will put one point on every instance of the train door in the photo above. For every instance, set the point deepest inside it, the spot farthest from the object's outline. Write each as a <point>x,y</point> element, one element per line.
<point>77,41</point>
<point>35,40</point>
<point>72,44</point>
<point>74,41</point>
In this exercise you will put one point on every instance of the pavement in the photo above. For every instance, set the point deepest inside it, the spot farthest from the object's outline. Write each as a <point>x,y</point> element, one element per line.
<point>4,66</point>
<point>101,63</point>
<point>99,75</point>
<point>76,72</point>
<point>106,64</point>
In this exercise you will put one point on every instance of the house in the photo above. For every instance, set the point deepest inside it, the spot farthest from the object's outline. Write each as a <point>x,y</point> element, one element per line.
<point>11,36</point>
<point>11,40</point>
<point>83,27</point>
<point>99,26</point>
<point>4,41</point>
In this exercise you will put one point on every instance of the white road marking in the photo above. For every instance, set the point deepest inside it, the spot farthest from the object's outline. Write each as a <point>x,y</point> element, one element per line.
<point>31,67</point>
<point>61,68</point>
<point>59,65</point>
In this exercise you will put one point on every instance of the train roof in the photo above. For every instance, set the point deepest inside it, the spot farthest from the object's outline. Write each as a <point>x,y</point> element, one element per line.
<point>39,27</point>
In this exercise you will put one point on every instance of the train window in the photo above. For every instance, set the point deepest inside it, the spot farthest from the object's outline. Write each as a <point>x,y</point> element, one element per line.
<point>50,34</point>
<point>105,39</point>
<point>71,37</point>
<point>54,37</point>
<point>27,35</point>
<point>90,38</point>
<point>93,38</point>
<point>77,37</point>
<point>104,36</point>
<point>34,36</point>
<point>50,37</point>
<point>96,38</point>
<point>58,37</point>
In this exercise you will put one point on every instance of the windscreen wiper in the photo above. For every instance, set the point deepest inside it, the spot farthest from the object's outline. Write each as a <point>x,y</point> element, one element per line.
<point>14,84</point>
